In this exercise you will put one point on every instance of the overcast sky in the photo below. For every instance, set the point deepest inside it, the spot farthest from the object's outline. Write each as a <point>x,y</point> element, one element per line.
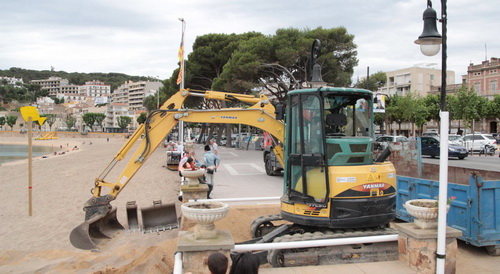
<point>142,37</point>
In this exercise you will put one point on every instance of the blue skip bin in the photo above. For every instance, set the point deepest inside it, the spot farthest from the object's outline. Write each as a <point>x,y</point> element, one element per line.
<point>475,211</point>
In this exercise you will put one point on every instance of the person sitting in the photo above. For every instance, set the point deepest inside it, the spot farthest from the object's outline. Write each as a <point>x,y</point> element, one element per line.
<point>189,164</point>
<point>245,263</point>
<point>217,263</point>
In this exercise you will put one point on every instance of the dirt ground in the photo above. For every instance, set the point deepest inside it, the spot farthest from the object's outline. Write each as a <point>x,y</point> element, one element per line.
<point>61,185</point>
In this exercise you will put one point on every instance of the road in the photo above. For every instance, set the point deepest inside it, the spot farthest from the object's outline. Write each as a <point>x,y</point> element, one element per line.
<point>242,170</point>
<point>476,162</point>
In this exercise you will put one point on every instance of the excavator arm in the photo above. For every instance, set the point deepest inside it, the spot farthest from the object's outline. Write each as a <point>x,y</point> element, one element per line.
<point>100,216</point>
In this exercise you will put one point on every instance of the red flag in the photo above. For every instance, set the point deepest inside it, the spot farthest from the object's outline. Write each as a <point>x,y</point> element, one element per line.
<point>179,77</point>
<point>181,60</point>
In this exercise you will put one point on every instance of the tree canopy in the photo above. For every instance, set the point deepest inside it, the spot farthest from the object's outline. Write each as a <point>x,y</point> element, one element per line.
<point>243,63</point>
<point>124,121</point>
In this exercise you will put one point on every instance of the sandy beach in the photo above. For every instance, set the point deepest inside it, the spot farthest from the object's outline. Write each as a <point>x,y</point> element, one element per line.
<point>61,185</point>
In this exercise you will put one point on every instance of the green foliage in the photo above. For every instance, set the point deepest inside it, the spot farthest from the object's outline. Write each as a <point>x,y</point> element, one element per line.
<point>150,102</point>
<point>124,121</point>
<point>2,121</point>
<point>378,119</point>
<point>142,118</point>
<point>468,105</point>
<point>51,119</point>
<point>76,78</point>
<point>245,62</point>
<point>92,118</point>
<point>210,53</point>
<point>495,112</point>
<point>99,119</point>
<point>374,82</point>
<point>11,121</point>
<point>432,101</point>
<point>89,119</point>
<point>70,122</point>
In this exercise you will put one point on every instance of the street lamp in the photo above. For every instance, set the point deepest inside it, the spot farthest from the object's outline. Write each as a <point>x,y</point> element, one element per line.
<point>429,42</point>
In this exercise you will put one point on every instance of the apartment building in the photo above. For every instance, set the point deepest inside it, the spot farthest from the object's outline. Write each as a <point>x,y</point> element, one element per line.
<point>421,80</point>
<point>115,110</point>
<point>484,78</point>
<point>133,93</point>
<point>52,85</point>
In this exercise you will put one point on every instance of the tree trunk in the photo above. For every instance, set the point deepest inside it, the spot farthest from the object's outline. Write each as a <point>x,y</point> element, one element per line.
<point>210,133</point>
<point>203,132</point>
<point>229,133</point>
<point>220,130</point>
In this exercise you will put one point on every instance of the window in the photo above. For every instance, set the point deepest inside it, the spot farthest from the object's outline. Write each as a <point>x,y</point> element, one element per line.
<point>478,137</point>
<point>493,85</point>
<point>477,87</point>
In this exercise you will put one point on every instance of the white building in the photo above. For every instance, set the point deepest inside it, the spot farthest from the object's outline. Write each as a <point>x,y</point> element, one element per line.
<point>13,81</point>
<point>52,85</point>
<point>133,93</point>
<point>115,110</point>
<point>414,79</point>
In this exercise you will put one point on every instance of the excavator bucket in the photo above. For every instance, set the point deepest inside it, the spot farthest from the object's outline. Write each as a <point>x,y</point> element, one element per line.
<point>159,217</point>
<point>132,217</point>
<point>101,226</point>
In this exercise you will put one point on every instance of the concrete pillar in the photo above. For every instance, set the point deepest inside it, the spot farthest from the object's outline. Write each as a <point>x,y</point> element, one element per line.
<point>194,192</point>
<point>196,251</point>
<point>417,247</point>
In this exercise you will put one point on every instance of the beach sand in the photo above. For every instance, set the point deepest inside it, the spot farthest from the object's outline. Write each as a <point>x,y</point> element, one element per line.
<point>61,185</point>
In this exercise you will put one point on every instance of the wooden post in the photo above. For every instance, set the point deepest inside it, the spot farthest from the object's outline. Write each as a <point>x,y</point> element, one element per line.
<point>30,166</point>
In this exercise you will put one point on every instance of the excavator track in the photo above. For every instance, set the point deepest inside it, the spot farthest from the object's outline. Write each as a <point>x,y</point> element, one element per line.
<point>263,226</point>
<point>355,253</point>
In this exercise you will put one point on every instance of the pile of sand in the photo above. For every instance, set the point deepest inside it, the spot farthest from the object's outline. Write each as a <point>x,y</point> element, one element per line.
<point>61,185</point>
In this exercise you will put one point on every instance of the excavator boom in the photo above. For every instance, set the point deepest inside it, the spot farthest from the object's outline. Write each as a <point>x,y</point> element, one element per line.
<point>100,216</point>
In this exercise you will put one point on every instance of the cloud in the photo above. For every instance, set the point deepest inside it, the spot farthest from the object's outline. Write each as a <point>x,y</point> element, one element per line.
<point>142,38</point>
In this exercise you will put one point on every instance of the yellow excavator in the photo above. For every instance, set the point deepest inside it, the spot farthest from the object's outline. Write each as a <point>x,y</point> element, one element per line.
<point>323,137</point>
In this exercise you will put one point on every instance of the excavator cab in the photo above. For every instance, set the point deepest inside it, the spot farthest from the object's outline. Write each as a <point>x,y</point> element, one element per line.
<point>331,179</point>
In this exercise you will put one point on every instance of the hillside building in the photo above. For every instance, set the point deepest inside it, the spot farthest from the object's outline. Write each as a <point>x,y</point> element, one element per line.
<point>134,93</point>
<point>13,81</point>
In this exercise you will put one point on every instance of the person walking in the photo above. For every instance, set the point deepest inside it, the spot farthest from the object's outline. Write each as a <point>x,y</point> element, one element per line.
<point>211,162</point>
<point>214,146</point>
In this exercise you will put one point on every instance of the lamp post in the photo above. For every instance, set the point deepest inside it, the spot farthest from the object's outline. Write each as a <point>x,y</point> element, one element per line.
<point>429,42</point>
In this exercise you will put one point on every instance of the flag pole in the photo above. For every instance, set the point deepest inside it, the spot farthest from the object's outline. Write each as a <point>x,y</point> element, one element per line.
<point>30,167</point>
<point>181,75</point>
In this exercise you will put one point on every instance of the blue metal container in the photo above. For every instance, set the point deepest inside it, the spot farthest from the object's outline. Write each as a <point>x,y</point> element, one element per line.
<point>475,211</point>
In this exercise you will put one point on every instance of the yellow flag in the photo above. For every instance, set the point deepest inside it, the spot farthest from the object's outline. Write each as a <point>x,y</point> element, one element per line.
<point>28,111</point>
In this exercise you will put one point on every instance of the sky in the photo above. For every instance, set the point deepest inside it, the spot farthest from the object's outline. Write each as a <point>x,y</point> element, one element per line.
<point>142,38</point>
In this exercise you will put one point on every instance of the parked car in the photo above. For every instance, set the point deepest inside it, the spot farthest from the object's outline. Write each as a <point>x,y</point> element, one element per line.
<point>475,141</point>
<point>383,141</point>
<point>453,137</point>
<point>431,133</point>
<point>430,146</point>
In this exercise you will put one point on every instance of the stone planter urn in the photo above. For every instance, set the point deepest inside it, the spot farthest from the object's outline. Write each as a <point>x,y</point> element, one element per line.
<point>192,176</point>
<point>204,214</point>
<point>425,212</point>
